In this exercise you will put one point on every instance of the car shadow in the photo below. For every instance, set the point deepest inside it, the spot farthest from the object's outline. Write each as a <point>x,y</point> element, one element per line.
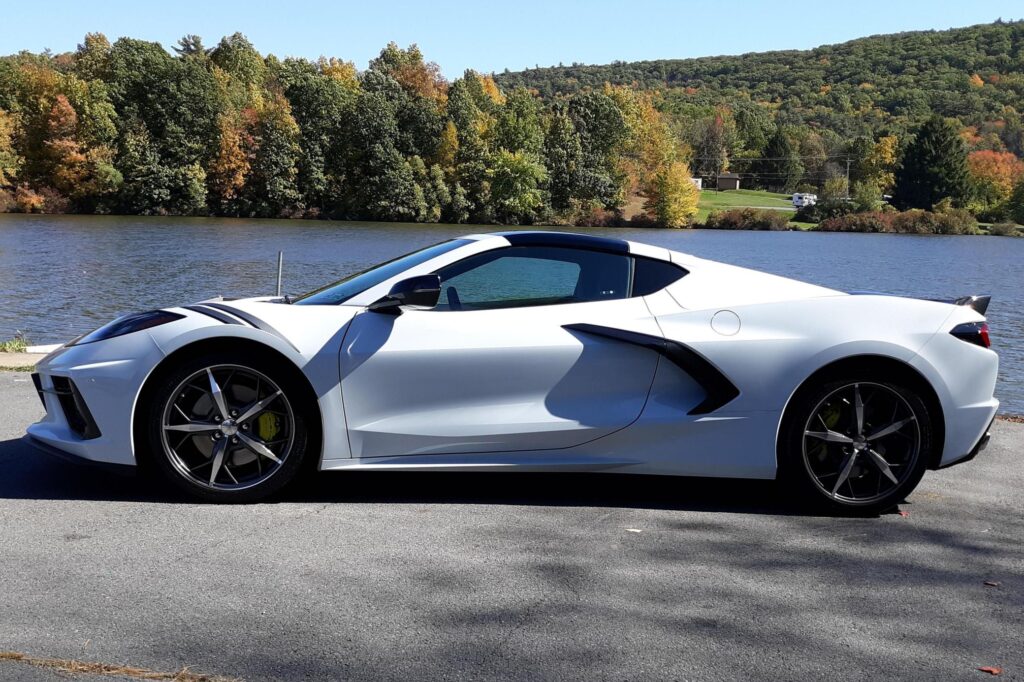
<point>30,474</point>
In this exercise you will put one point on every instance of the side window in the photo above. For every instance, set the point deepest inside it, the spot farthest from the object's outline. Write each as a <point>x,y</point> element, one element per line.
<point>651,275</point>
<point>521,276</point>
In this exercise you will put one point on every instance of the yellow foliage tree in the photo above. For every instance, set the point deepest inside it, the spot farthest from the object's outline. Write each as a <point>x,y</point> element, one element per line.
<point>650,145</point>
<point>491,89</point>
<point>881,161</point>
<point>230,167</point>
<point>10,161</point>
<point>672,196</point>
<point>447,148</point>
<point>340,70</point>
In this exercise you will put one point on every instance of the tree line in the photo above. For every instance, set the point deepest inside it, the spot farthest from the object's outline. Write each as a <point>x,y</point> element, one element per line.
<point>132,128</point>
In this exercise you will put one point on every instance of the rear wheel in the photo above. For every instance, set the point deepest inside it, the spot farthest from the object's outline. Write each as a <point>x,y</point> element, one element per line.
<point>858,445</point>
<point>227,428</point>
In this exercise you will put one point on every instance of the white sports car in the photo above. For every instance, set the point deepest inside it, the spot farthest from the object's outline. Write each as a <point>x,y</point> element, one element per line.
<point>535,351</point>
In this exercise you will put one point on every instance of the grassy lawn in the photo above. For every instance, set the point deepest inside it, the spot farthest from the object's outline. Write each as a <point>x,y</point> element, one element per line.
<point>711,200</point>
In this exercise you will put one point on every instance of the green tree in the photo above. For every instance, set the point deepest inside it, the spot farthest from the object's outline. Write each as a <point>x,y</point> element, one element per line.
<point>469,107</point>
<point>271,190</point>
<point>518,126</point>
<point>866,195</point>
<point>516,179</point>
<point>92,58</point>
<point>934,167</point>
<point>323,108</point>
<point>178,101</point>
<point>563,157</point>
<point>714,141</point>
<point>754,127</point>
<point>245,68</point>
<point>780,168</point>
<point>153,188</point>
<point>1015,204</point>
<point>191,45</point>
<point>602,129</point>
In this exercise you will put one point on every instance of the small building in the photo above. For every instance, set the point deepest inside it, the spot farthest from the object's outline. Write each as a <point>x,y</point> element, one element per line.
<point>728,181</point>
<point>698,182</point>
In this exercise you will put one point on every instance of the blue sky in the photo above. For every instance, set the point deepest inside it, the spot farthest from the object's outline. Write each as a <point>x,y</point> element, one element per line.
<point>490,36</point>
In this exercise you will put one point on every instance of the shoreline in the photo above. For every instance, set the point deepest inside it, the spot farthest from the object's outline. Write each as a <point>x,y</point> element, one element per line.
<point>983,228</point>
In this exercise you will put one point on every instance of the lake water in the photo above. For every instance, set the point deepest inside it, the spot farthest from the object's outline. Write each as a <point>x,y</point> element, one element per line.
<point>61,276</point>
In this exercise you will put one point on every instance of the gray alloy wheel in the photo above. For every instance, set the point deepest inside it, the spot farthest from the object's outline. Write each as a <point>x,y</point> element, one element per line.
<point>227,428</point>
<point>861,443</point>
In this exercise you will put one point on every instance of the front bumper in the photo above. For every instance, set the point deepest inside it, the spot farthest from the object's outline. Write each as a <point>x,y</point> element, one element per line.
<point>47,449</point>
<point>89,394</point>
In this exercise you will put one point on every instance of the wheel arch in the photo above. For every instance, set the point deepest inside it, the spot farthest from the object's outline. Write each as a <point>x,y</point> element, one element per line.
<point>887,368</point>
<point>232,344</point>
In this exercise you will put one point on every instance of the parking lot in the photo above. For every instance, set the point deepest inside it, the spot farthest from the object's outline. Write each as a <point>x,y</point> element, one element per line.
<point>449,576</point>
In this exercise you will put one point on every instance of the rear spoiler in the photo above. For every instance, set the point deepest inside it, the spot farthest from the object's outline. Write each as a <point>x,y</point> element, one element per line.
<point>978,303</point>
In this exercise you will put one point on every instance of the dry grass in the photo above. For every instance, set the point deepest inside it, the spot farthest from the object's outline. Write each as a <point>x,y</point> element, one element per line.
<point>90,668</point>
<point>1015,418</point>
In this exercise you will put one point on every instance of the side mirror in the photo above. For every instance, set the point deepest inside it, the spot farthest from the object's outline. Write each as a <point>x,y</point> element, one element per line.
<point>422,291</point>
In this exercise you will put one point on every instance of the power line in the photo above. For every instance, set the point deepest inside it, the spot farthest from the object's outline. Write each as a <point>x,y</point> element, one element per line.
<point>847,157</point>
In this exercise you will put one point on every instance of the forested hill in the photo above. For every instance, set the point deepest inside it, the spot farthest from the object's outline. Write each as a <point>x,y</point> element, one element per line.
<point>968,73</point>
<point>930,119</point>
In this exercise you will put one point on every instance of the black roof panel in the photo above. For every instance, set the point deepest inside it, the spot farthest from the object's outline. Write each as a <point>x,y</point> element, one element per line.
<point>565,239</point>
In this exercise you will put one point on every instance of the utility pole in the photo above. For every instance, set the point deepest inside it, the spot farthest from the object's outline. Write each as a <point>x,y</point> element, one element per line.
<point>848,178</point>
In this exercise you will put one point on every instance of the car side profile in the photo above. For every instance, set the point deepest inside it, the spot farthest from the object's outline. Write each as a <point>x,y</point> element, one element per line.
<point>535,351</point>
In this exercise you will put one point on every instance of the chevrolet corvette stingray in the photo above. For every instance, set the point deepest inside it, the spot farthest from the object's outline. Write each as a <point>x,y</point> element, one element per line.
<point>535,351</point>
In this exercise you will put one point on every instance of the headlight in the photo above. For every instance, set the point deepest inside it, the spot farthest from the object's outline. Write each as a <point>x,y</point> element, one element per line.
<point>127,324</point>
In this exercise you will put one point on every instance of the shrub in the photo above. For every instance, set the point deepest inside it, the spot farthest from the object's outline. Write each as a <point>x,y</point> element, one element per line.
<point>27,201</point>
<point>16,345</point>
<point>823,210</point>
<point>1004,230</point>
<point>958,221</point>
<point>42,200</point>
<point>747,219</point>
<point>915,221</point>
<point>870,221</point>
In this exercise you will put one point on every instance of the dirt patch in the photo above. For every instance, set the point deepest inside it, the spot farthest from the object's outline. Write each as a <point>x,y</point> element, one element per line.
<point>91,668</point>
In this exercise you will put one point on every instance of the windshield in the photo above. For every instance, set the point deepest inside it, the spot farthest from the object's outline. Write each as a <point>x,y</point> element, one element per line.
<point>344,289</point>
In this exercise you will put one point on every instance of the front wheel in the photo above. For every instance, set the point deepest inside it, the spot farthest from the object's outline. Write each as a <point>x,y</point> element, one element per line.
<point>227,428</point>
<point>858,445</point>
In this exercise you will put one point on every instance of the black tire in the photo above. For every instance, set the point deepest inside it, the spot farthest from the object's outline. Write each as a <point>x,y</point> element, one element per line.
<point>171,463</point>
<point>806,461</point>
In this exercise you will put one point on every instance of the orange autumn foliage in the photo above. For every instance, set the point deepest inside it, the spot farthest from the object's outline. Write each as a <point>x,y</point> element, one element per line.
<point>995,173</point>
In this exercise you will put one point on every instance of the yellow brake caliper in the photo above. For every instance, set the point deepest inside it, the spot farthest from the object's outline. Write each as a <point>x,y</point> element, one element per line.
<point>266,426</point>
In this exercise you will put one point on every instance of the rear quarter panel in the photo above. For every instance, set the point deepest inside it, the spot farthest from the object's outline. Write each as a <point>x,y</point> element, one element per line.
<point>777,347</point>
<point>780,344</point>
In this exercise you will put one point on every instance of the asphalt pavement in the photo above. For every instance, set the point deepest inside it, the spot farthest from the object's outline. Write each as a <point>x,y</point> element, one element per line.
<point>433,576</point>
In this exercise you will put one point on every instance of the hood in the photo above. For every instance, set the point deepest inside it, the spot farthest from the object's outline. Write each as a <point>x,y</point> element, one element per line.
<point>307,328</point>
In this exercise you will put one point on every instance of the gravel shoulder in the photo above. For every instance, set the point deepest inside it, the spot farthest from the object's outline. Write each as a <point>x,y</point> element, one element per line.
<point>458,576</point>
